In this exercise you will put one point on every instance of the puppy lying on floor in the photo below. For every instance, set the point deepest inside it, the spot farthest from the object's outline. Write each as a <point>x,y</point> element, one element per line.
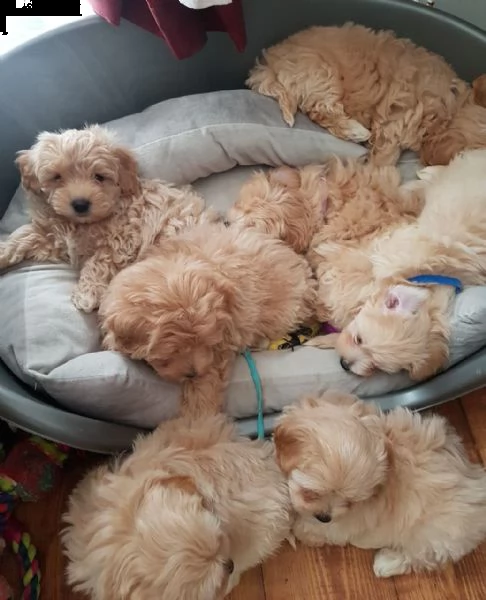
<point>201,297</point>
<point>341,201</point>
<point>397,482</point>
<point>401,323</point>
<point>181,518</point>
<point>370,85</point>
<point>91,210</point>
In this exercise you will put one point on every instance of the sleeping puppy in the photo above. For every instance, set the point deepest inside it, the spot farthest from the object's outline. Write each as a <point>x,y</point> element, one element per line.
<point>398,482</point>
<point>189,511</point>
<point>202,297</point>
<point>370,86</point>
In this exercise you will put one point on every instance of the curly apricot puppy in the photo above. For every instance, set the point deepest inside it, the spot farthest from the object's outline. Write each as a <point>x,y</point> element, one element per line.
<point>340,201</point>
<point>364,85</point>
<point>193,507</point>
<point>90,209</point>
<point>399,483</point>
<point>201,297</point>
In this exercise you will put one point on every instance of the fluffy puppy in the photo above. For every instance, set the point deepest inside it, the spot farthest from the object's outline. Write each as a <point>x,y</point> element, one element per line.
<point>394,324</point>
<point>397,482</point>
<point>90,209</point>
<point>191,509</point>
<point>189,307</point>
<point>342,201</point>
<point>406,326</point>
<point>364,85</point>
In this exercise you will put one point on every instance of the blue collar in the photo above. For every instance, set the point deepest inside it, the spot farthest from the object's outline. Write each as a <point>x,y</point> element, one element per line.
<point>438,280</point>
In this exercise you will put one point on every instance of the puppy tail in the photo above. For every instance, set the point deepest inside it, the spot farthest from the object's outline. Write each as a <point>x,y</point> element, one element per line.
<point>323,341</point>
<point>263,80</point>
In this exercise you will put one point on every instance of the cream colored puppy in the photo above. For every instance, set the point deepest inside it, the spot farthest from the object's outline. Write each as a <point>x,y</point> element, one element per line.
<point>389,322</point>
<point>181,518</point>
<point>399,483</point>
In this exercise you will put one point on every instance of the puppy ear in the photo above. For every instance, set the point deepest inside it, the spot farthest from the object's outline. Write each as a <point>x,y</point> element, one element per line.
<point>27,173</point>
<point>128,172</point>
<point>437,356</point>
<point>404,299</point>
<point>288,447</point>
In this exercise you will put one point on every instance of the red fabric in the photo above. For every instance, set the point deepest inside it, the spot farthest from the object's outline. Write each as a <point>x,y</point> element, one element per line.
<point>184,29</point>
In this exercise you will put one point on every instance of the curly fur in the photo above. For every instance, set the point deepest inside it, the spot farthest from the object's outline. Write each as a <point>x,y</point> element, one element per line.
<point>191,509</point>
<point>389,323</point>
<point>370,85</point>
<point>201,297</point>
<point>123,216</point>
<point>342,201</point>
<point>400,483</point>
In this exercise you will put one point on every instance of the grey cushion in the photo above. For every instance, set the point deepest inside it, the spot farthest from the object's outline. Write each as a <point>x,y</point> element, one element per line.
<point>48,343</point>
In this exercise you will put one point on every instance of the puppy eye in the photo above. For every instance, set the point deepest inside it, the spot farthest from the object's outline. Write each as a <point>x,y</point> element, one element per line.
<point>357,340</point>
<point>229,565</point>
<point>56,177</point>
<point>99,178</point>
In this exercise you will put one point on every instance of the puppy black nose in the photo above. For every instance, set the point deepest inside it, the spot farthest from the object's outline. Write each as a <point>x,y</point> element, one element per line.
<point>344,364</point>
<point>323,517</point>
<point>191,374</point>
<point>80,205</point>
<point>229,565</point>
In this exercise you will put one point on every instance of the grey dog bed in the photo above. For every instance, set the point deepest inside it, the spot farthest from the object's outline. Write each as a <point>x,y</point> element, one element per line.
<point>57,382</point>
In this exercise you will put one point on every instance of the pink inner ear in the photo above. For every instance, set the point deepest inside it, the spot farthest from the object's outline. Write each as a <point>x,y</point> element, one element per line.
<point>391,301</point>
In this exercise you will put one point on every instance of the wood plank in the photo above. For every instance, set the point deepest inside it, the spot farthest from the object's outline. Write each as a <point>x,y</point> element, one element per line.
<point>250,587</point>
<point>333,573</point>
<point>475,409</point>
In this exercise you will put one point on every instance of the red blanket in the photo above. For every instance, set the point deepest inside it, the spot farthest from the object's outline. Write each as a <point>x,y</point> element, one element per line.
<point>184,29</point>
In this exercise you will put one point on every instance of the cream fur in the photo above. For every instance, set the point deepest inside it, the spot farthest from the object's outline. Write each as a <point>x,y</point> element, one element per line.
<point>126,215</point>
<point>201,297</point>
<point>170,521</point>
<point>398,325</point>
<point>364,85</point>
<point>399,482</point>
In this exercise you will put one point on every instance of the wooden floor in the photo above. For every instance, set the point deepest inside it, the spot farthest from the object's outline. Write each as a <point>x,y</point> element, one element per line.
<point>330,573</point>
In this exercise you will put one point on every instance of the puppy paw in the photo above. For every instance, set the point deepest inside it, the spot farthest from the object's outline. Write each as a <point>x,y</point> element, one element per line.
<point>428,173</point>
<point>85,299</point>
<point>389,563</point>
<point>355,132</point>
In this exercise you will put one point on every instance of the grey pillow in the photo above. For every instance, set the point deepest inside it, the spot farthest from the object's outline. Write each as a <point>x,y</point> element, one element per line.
<point>48,343</point>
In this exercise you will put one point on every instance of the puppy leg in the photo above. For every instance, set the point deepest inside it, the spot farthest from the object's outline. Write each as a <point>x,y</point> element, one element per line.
<point>323,341</point>
<point>95,276</point>
<point>385,148</point>
<point>205,395</point>
<point>324,106</point>
<point>26,243</point>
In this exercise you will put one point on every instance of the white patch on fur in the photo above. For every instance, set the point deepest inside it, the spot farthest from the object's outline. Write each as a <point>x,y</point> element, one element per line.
<point>389,563</point>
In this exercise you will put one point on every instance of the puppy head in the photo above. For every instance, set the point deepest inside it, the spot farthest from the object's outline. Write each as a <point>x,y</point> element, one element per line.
<point>80,174</point>
<point>395,330</point>
<point>169,544</point>
<point>467,131</point>
<point>174,314</point>
<point>281,204</point>
<point>333,452</point>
